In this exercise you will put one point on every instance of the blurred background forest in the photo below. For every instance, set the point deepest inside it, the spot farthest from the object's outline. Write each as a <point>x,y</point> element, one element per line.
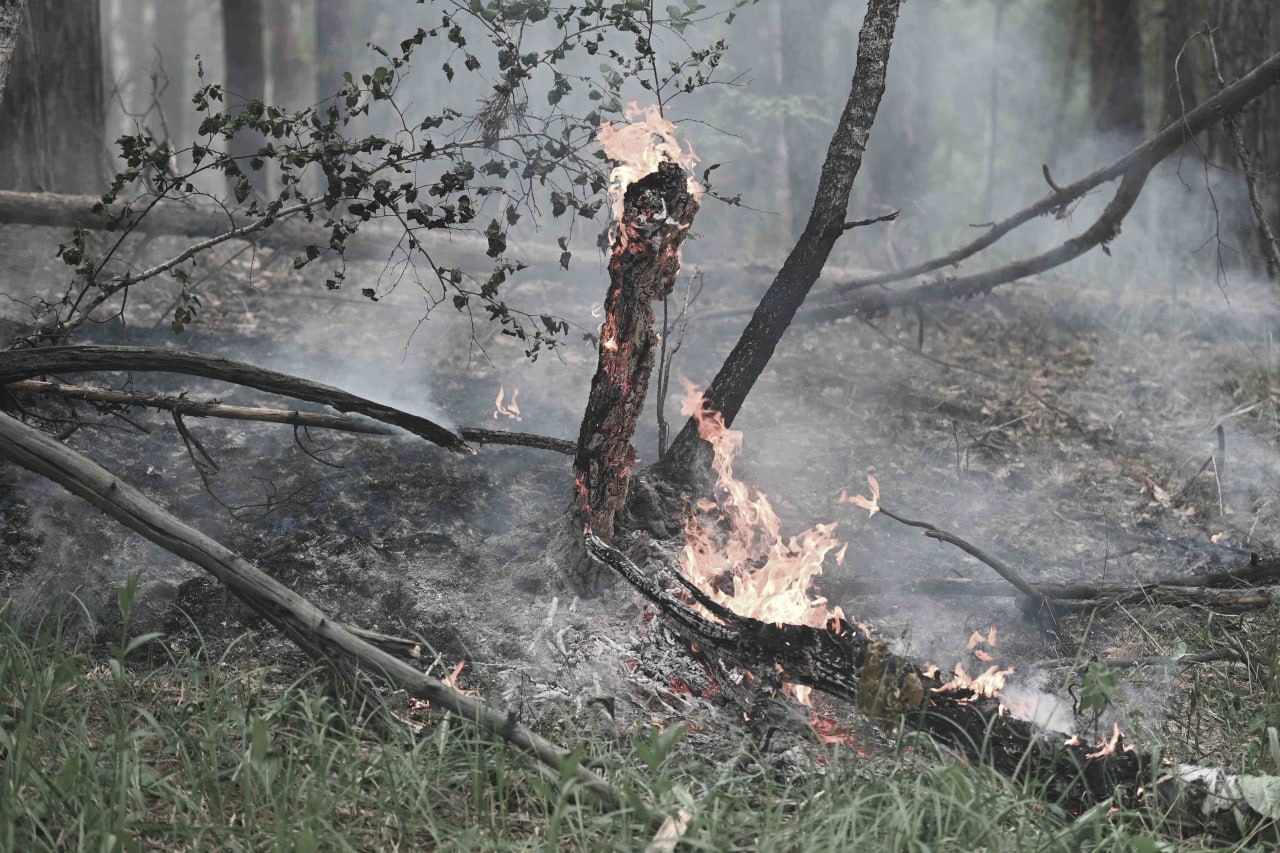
<point>982,93</point>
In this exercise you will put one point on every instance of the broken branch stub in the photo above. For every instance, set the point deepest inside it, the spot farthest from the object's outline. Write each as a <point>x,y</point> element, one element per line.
<point>657,212</point>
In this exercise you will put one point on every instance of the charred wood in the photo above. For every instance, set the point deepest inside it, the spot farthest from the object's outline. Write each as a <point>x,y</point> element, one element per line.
<point>657,212</point>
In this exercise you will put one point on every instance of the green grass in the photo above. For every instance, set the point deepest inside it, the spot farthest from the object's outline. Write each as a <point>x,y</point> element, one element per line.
<point>138,747</point>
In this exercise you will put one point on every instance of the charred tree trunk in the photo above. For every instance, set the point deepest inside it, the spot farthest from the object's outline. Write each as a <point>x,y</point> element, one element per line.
<point>243,24</point>
<point>657,212</point>
<point>802,267</point>
<point>53,117</point>
<point>11,14</point>
<point>1115,67</point>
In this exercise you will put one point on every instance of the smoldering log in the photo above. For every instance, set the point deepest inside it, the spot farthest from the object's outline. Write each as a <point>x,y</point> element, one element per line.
<point>657,212</point>
<point>844,663</point>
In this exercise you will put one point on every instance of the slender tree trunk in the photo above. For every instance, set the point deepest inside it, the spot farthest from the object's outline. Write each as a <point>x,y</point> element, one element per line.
<point>1115,67</point>
<point>11,15</point>
<point>335,28</point>
<point>243,25</point>
<point>802,267</point>
<point>52,119</point>
<point>289,80</point>
<point>171,50</point>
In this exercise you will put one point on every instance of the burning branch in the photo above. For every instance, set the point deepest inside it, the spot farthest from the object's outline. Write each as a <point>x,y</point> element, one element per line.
<point>654,202</point>
<point>966,714</point>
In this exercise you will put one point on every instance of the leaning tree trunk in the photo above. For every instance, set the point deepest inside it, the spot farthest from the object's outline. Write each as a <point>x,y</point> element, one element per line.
<point>52,118</point>
<point>657,212</point>
<point>11,13</point>
<point>803,266</point>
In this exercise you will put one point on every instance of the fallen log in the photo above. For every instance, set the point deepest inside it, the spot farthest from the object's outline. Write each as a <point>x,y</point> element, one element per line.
<point>311,420</point>
<point>326,640</point>
<point>18,365</point>
<point>1251,587</point>
<point>846,664</point>
<point>657,211</point>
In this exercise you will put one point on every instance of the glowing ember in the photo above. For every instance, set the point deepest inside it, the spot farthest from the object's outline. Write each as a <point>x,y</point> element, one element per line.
<point>509,409</point>
<point>639,146</point>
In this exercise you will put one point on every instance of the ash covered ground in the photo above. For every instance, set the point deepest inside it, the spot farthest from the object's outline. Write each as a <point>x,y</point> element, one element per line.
<point>1061,424</point>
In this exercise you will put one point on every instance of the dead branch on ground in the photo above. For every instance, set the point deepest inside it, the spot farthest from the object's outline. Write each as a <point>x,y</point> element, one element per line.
<point>311,420</point>
<point>18,365</point>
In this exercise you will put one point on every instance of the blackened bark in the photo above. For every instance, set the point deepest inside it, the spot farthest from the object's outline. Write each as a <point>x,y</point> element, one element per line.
<point>657,212</point>
<point>11,15</point>
<point>53,115</point>
<point>243,24</point>
<point>802,267</point>
<point>1115,66</point>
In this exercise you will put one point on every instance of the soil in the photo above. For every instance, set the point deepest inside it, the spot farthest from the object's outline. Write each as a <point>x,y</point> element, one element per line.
<point>1059,424</point>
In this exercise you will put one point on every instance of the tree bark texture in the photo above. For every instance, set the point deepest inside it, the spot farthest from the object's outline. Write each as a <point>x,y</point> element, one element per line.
<point>802,267</point>
<point>11,16</point>
<point>1115,67</point>
<point>657,212</point>
<point>53,113</point>
<point>243,26</point>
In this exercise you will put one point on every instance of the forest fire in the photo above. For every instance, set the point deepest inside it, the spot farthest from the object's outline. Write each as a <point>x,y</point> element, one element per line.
<point>509,409</point>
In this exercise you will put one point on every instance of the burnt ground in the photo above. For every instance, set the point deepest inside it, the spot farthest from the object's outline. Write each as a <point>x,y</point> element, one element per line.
<point>1059,424</point>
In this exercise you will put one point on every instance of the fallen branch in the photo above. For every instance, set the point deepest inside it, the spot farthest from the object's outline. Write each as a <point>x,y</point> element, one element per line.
<point>314,631</point>
<point>311,420</point>
<point>846,664</point>
<point>1229,101</point>
<point>17,365</point>
<point>1205,590</point>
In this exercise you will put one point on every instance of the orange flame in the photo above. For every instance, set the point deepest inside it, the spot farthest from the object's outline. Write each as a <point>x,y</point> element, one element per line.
<point>871,504</point>
<point>639,145</point>
<point>770,576</point>
<point>510,409</point>
<point>988,685</point>
<point>1108,746</point>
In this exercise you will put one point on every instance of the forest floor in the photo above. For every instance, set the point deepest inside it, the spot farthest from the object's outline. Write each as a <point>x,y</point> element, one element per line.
<point>1063,424</point>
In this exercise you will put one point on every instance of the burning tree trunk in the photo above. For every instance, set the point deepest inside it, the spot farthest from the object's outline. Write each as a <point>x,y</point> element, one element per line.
<point>803,266</point>
<point>657,211</point>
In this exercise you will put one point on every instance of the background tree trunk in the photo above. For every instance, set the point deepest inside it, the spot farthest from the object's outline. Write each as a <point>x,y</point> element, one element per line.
<point>53,117</point>
<point>335,49</point>
<point>171,52</point>
<point>1115,67</point>
<point>11,15</point>
<point>243,23</point>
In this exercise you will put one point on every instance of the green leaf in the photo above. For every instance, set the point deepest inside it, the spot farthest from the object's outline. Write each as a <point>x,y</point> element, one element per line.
<point>1262,793</point>
<point>1098,687</point>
